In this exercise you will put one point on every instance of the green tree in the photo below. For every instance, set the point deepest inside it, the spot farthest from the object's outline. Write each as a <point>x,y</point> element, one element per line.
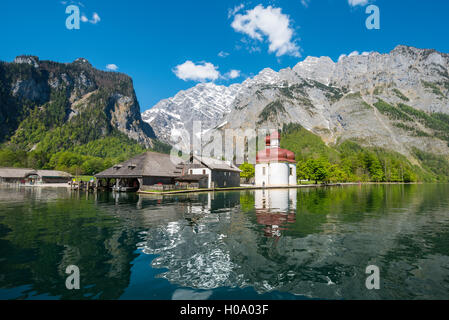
<point>336,174</point>
<point>248,171</point>
<point>318,169</point>
<point>93,166</point>
<point>301,171</point>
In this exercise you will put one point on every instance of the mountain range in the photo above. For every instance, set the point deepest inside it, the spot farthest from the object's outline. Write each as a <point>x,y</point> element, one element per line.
<point>73,117</point>
<point>397,101</point>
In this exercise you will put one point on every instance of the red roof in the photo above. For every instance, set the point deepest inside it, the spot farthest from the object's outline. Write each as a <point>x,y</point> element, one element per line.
<point>275,155</point>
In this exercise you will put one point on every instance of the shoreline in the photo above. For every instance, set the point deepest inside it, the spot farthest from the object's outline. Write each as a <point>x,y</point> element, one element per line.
<point>44,185</point>
<point>300,186</point>
<point>241,188</point>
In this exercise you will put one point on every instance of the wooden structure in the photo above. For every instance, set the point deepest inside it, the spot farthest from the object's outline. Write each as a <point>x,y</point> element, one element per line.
<point>31,176</point>
<point>154,171</point>
<point>144,172</point>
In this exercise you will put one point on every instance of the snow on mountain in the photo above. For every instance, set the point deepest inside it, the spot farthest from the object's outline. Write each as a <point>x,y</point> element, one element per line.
<point>336,100</point>
<point>206,102</point>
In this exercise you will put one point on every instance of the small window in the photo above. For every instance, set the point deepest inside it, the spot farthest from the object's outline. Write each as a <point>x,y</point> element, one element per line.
<point>191,171</point>
<point>204,171</point>
<point>291,171</point>
<point>263,171</point>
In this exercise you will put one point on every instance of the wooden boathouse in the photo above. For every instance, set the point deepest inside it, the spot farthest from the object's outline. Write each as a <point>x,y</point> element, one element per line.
<point>152,171</point>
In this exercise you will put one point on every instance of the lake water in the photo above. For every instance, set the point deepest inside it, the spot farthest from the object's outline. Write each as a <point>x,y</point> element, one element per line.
<point>274,244</point>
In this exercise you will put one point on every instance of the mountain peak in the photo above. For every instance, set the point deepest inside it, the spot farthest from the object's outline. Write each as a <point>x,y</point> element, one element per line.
<point>82,61</point>
<point>320,68</point>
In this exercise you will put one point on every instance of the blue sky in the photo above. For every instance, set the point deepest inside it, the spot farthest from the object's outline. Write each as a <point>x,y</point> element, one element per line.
<point>171,45</point>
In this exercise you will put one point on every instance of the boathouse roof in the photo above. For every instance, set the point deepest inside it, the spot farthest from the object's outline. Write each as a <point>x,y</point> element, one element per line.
<point>148,164</point>
<point>52,174</point>
<point>22,173</point>
<point>17,173</point>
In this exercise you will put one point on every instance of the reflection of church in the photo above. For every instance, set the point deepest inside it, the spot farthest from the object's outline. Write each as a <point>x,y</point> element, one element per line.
<point>275,209</point>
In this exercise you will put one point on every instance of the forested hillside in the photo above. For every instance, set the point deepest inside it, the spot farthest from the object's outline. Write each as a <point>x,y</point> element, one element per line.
<point>69,117</point>
<point>349,161</point>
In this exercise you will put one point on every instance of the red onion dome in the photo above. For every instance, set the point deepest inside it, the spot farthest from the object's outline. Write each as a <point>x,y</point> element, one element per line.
<point>275,155</point>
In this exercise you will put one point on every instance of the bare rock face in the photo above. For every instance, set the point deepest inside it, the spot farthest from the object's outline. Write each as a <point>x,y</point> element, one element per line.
<point>90,93</point>
<point>124,113</point>
<point>336,100</point>
<point>204,102</point>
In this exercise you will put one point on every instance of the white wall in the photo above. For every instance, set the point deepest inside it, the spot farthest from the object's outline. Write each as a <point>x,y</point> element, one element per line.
<point>292,178</point>
<point>276,174</point>
<point>259,177</point>
<point>200,171</point>
<point>279,174</point>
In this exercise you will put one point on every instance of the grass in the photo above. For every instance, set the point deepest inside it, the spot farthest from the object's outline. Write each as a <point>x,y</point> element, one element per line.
<point>84,178</point>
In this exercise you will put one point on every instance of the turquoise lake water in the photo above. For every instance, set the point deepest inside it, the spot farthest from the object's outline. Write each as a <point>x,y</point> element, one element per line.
<point>274,244</point>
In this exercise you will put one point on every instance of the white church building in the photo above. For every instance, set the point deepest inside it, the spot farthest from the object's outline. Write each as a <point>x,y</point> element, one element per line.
<point>275,166</point>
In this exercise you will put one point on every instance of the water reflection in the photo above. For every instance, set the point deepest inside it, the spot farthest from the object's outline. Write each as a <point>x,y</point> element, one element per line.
<point>316,242</point>
<point>309,242</point>
<point>275,209</point>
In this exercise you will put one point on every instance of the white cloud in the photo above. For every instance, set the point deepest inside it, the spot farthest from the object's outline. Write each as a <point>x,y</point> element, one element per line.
<point>232,12</point>
<point>269,22</point>
<point>232,74</point>
<point>223,54</point>
<point>78,3</point>
<point>196,72</point>
<point>95,18</point>
<point>112,67</point>
<point>354,3</point>
<point>354,53</point>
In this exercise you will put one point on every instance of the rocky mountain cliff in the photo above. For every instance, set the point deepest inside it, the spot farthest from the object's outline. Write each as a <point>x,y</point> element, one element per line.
<point>66,104</point>
<point>205,102</point>
<point>398,101</point>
